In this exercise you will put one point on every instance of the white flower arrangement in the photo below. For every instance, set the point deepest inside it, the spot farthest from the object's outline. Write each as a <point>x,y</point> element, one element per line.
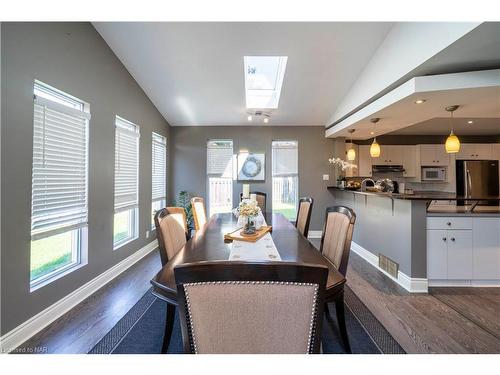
<point>248,208</point>
<point>338,162</point>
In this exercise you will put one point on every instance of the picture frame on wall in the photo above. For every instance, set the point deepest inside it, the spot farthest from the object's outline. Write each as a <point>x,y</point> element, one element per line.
<point>251,166</point>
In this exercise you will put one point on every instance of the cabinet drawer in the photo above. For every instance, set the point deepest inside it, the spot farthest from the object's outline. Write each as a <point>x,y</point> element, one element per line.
<point>449,223</point>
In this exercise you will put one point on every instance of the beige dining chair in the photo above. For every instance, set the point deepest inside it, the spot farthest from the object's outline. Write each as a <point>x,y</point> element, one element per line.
<point>199,213</point>
<point>249,308</point>
<point>336,246</point>
<point>171,231</point>
<point>304,215</point>
<point>261,199</point>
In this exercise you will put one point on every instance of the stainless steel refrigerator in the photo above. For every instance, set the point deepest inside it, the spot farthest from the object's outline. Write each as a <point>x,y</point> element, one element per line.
<point>477,178</point>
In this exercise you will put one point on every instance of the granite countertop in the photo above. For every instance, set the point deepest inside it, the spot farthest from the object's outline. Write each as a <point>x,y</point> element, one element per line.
<point>420,195</point>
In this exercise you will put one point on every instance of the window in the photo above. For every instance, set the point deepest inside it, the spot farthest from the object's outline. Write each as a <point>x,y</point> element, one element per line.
<point>159,175</point>
<point>126,219</point>
<point>220,175</point>
<point>59,198</point>
<point>285,178</point>
<point>263,80</point>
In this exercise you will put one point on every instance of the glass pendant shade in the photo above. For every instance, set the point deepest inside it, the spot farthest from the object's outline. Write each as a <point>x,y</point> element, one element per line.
<point>452,144</point>
<point>375,149</point>
<point>351,154</point>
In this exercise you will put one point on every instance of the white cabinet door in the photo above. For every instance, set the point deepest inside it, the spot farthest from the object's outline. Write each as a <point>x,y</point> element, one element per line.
<point>427,155</point>
<point>495,151</point>
<point>409,161</point>
<point>365,161</point>
<point>441,156</point>
<point>396,155</point>
<point>486,248</point>
<point>437,255</point>
<point>472,151</point>
<point>383,159</point>
<point>459,254</point>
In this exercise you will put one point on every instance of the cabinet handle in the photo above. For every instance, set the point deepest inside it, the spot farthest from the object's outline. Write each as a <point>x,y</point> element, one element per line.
<point>448,223</point>
<point>453,239</point>
<point>444,239</point>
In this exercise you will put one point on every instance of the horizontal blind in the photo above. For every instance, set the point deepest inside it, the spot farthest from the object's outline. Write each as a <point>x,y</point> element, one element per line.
<point>285,158</point>
<point>159,167</point>
<point>220,158</point>
<point>59,198</point>
<point>126,165</point>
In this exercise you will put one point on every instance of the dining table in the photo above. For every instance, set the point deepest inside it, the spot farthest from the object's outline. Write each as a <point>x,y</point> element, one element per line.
<point>208,244</point>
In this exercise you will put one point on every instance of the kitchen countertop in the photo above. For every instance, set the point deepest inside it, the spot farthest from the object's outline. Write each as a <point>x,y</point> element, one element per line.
<point>421,195</point>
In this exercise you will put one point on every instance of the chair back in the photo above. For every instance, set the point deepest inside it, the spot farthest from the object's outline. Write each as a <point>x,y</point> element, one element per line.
<point>199,213</point>
<point>304,215</point>
<point>337,236</point>
<point>170,223</point>
<point>243,307</point>
<point>261,199</point>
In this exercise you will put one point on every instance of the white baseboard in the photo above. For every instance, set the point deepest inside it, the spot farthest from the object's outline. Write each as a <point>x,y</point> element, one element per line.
<point>468,283</point>
<point>24,331</point>
<point>314,234</point>
<point>413,285</point>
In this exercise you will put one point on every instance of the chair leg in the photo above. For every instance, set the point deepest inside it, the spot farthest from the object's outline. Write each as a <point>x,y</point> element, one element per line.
<point>169,326</point>
<point>339,307</point>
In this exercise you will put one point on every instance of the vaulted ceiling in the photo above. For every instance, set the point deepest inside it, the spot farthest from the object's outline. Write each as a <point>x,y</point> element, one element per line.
<point>193,72</point>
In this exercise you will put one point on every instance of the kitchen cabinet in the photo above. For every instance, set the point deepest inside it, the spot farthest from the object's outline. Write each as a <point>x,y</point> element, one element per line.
<point>495,149</point>
<point>365,161</point>
<point>410,161</point>
<point>390,155</point>
<point>472,151</point>
<point>464,249</point>
<point>486,245</point>
<point>434,155</point>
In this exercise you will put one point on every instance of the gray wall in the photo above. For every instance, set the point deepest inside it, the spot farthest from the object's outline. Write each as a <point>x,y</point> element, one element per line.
<point>188,165</point>
<point>73,58</point>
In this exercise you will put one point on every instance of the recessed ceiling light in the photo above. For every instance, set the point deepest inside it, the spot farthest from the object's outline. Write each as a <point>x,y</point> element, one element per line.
<point>371,133</point>
<point>249,118</point>
<point>266,120</point>
<point>419,101</point>
<point>470,122</point>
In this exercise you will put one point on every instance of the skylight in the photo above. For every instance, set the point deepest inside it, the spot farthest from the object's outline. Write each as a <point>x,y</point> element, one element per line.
<point>263,80</point>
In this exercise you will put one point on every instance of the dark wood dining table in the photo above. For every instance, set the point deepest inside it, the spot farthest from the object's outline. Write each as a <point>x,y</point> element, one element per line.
<point>208,245</point>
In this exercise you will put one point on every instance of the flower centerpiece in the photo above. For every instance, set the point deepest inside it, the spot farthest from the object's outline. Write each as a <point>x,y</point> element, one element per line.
<point>249,210</point>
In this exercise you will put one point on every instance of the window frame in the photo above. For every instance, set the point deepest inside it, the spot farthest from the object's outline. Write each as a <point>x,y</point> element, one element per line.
<point>66,104</point>
<point>218,175</point>
<point>295,176</point>
<point>161,200</point>
<point>133,224</point>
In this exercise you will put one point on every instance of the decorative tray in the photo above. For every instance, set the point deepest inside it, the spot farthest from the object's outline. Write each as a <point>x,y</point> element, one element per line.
<point>237,234</point>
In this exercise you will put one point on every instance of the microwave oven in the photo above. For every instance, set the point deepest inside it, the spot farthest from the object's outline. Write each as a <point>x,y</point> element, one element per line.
<point>433,174</point>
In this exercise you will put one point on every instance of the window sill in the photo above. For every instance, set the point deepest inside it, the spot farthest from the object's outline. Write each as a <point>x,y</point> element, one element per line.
<point>121,244</point>
<point>40,284</point>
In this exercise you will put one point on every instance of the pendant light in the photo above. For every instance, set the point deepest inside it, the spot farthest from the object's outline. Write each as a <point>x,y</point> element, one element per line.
<point>452,144</point>
<point>351,153</point>
<point>375,147</point>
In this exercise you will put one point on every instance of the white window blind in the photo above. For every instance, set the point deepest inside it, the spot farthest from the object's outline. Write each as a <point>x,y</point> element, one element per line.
<point>126,165</point>
<point>60,163</point>
<point>285,158</point>
<point>220,158</point>
<point>159,168</point>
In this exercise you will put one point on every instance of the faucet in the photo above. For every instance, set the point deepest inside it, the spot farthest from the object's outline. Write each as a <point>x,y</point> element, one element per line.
<point>363,183</point>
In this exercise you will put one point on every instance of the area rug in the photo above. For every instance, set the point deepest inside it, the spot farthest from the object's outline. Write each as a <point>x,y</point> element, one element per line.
<point>140,331</point>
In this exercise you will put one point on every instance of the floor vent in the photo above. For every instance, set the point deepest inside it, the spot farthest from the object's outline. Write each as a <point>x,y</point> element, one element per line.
<point>388,265</point>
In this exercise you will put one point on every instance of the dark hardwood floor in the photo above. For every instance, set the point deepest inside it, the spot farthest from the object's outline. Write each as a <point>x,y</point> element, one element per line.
<point>82,327</point>
<point>447,320</point>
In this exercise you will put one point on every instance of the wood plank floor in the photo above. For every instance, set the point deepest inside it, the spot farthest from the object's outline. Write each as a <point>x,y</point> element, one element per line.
<point>447,320</point>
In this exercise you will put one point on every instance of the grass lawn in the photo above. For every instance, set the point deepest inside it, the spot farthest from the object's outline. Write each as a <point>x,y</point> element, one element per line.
<point>50,253</point>
<point>120,226</point>
<point>287,209</point>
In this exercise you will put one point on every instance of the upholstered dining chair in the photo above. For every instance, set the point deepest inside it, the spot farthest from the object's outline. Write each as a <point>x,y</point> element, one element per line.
<point>335,246</point>
<point>242,307</point>
<point>304,215</point>
<point>199,213</point>
<point>171,232</point>
<point>261,199</point>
